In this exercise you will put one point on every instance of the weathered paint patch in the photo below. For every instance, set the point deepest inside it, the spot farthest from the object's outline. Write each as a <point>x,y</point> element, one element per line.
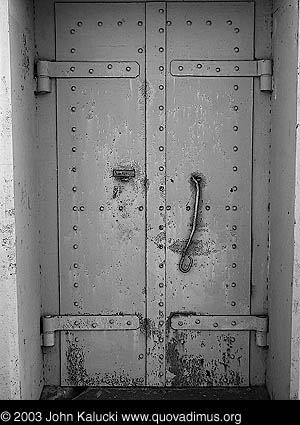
<point>197,247</point>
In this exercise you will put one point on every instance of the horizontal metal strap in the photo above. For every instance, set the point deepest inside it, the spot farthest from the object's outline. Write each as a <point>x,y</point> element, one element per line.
<point>102,69</point>
<point>219,323</point>
<point>205,68</point>
<point>90,323</point>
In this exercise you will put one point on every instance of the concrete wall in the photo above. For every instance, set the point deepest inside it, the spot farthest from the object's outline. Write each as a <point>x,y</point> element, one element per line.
<point>9,347</point>
<point>19,210</point>
<point>26,194</point>
<point>283,160</point>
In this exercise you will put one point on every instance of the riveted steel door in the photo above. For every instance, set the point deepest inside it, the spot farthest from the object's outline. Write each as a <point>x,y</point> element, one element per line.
<point>144,107</point>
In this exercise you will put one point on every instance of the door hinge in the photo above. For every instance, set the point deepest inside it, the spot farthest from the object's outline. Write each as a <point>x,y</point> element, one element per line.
<point>103,69</point>
<point>205,68</point>
<point>52,324</point>
<point>195,322</point>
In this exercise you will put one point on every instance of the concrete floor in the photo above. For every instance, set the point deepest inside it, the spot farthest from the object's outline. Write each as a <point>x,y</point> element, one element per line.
<point>106,393</point>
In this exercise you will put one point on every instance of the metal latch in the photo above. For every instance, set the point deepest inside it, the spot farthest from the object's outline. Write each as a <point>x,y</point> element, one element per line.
<point>124,175</point>
<point>51,324</point>
<point>195,322</point>
<point>102,69</point>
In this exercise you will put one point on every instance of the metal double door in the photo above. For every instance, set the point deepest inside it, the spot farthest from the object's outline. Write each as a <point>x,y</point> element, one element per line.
<point>150,132</point>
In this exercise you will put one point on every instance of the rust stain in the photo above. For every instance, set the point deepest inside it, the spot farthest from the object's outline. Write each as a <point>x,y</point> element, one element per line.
<point>145,91</point>
<point>197,247</point>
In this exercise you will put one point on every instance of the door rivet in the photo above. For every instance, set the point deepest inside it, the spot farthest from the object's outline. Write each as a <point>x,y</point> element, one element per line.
<point>74,208</point>
<point>237,68</point>
<point>100,23</point>
<point>227,208</point>
<point>75,246</point>
<point>234,227</point>
<point>188,208</point>
<point>72,50</point>
<point>235,168</point>
<point>73,88</point>
<point>161,68</point>
<point>94,325</point>
<point>161,265</point>
<point>218,69</point>
<point>140,50</point>
<point>199,65</point>
<point>235,148</point>
<point>215,325</point>
<point>101,208</point>
<point>207,207</point>
<point>141,208</point>
<point>141,356</point>
<point>234,208</point>
<point>161,49</point>
<point>233,303</point>
<point>233,323</point>
<point>129,323</point>
<point>161,340</point>
<point>119,23</point>
<point>91,71</point>
<point>161,227</point>
<point>168,207</point>
<point>121,208</point>
<point>180,68</point>
<point>72,69</point>
<point>76,339</point>
<point>111,321</point>
<point>72,31</point>
<point>236,108</point>
<point>75,266</point>
<point>233,246</point>
<point>161,188</point>
<point>161,30</point>
<point>180,323</point>
<point>160,246</point>
<point>233,284</point>
<point>161,10</point>
<point>234,265</point>
<point>74,169</point>
<point>182,341</point>
<point>81,208</point>
<point>161,168</point>
<point>74,149</point>
<point>236,87</point>
<point>236,49</point>
<point>109,66</point>
<point>235,128</point>
<point>161,148</point>
<point>76,285</point>
<point>73,129</point>
<point>161,87</point>
<point>75,228</point>
<point>189,22</point>
<point>161,323</point>
<point>161,208</point>
<point>161,285</point>
<point>161,304</point>
<point>237,30</point>
<point>79,23</point>
<point>161,108</point>
<point>140,23</point>
<point>169,23</point>
<point>208,22</point>
<point>161,356</point>
<point>229,22</point>
<point>76,323</point>
<point>161,374</point>
<point>128,68</point>
<point>161,128</point>
<point>76,304</point>
<point>197,321</point>
<point>73,108</point>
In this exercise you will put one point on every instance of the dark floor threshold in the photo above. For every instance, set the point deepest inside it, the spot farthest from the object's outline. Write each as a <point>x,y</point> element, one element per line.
<point>138,393</point>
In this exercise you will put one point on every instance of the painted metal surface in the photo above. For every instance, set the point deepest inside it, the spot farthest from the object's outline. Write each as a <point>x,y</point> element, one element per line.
<point>101,127</point>
<point>209,123</point>
<point>164,125</point>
